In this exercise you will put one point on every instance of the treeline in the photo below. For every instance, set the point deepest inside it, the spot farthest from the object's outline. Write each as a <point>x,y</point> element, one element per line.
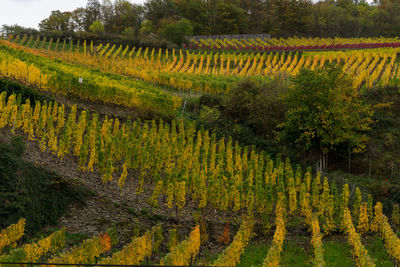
<point>173,19</point>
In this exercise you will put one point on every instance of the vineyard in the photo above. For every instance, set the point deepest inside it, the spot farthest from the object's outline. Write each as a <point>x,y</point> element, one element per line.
<point>273,44</point>
<point>215,72</point>
<point>189,173</point>
<point>205,173</point>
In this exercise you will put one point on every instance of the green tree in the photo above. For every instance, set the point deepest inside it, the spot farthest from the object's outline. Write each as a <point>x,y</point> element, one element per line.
<point>78,19</point>
<point>146,27</point>
<point>129,32</point>
<point>259,107</point>
<point>196,11</point>
<point>126,15</point>
<point>17,29</point>
<point>176,32</point>
<point>157,10</point>
<point>325,111</point>
<point>289,16</point>
<point>107,15</point>
<point>92,10</point>
<point>228,18</point>
<point>97,27</point>
<point>57,21</point>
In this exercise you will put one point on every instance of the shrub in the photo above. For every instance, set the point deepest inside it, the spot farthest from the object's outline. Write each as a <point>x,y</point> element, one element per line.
<point>260,107</point>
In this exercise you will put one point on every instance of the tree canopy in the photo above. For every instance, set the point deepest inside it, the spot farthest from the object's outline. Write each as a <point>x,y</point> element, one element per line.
<point>177,31</point>
<point>324,112</point>
<point>281,18</point>
<point>96,27</point>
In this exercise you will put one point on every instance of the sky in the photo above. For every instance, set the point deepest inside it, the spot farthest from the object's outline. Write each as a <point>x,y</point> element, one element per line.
<point>29,13</point>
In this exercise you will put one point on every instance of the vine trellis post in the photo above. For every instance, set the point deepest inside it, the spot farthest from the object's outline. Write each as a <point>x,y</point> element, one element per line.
<point>322,163</point>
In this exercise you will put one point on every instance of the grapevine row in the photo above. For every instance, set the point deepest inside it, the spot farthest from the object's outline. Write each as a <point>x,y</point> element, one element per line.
<point>182,163</point>
<point>274,252</point>
<point>267,44</point>
<point>232,254</point>
<point>316,241</point>
<point>33,252</point>
<point>170,156</point>
<point>63,79</point>
<point>91,250</point>
<point>360,254</point>
<point>133,253</point>
<point>389,237</point>
<point>87,252</point>
<point>216,72</point>
<point>12,234</point>
<point>185,252</point>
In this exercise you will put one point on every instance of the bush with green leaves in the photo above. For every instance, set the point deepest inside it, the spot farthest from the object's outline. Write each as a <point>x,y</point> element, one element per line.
<point>324,112</point>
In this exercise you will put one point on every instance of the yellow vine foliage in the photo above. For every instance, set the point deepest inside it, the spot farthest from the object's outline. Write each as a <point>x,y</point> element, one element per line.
<point>201,71</point>
<point>87,252</point>
<point>153,199</point>
<point>122,178</point>
<point>274,252</point>
<point>292,196</point>
<point>52,243</point>
<point>231,255</point>
<point>131,93</point>
<point>162,150</point>
<point>12,234</point>
<point>363,225</point>
<point>133,253</point>
<point>316,241</point>
<point>375,224</point>
<point>329,224</point>
<point>390,239</point>
<point>21,71</point>
<point>185,251</point>
<point>180,194</point>
<point>360,254</point>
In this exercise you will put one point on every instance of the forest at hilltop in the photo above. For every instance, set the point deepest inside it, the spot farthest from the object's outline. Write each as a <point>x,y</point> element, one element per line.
<point>107,20</point>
